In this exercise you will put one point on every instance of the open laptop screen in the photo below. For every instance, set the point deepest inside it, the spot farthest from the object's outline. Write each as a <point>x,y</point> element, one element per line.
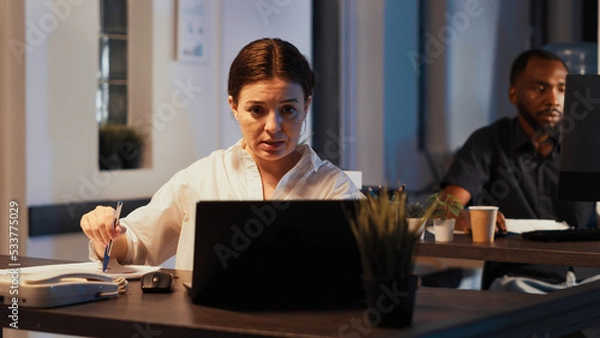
<point>275,254</point>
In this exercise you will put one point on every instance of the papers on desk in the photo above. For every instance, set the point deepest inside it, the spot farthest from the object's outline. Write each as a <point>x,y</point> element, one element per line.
<point>115,270</point>
<point>519,226</point>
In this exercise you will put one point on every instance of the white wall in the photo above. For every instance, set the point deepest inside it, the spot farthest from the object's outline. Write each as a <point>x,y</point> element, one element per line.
<point>60,87</point>
<point>12,129</point>
<point>62,132</point>
<point>472,44</point>
<point>61,83</point>
<point>369,90</point>
<point>479,61</point>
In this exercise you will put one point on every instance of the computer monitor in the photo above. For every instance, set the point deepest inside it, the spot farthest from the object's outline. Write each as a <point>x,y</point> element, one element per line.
<point>579,171</point>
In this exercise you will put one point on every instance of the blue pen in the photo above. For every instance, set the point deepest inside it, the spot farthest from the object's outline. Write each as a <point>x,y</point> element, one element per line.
<point>371,192</point>
<point>108,249</point>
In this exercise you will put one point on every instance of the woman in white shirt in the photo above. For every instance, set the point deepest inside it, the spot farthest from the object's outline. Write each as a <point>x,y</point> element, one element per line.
<point>270,89</point>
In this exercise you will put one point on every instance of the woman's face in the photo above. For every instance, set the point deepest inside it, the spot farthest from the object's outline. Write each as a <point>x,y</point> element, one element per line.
<point>270,114</point>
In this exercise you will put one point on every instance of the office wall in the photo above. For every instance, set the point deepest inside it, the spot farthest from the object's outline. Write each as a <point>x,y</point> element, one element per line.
<point>478,63</point>
<point>380,92</point>
<point>469,46</point>
<point>61,63</point>
<point>12,129</point>
<point>60,93</point>
<point>368,140</point>
<point>403,161</point>
<point>61,128</point>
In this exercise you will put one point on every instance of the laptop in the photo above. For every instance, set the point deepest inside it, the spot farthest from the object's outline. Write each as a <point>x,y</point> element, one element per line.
<point>275,255</point>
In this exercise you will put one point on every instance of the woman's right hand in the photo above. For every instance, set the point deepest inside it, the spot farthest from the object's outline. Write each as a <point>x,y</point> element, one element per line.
<point>98,227</point>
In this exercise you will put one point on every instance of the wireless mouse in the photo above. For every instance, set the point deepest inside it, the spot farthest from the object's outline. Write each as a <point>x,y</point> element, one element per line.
<point>157,282</point>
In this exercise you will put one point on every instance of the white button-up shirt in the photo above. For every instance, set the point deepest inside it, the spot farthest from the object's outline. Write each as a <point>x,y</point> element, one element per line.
<point>166,225</point>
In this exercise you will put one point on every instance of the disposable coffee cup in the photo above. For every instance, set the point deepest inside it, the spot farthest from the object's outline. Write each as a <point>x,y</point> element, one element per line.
<point>483,223</point>
<point>443,229</point>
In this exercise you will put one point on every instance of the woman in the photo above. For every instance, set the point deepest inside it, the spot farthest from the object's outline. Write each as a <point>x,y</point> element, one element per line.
<point>270,89</point>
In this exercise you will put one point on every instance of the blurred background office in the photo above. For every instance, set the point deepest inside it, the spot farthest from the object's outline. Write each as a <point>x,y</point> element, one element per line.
<point>401,85</point>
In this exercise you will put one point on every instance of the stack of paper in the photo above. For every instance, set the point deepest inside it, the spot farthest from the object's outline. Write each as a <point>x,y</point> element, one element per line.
<point>115,270</point>
<point>518,226</point>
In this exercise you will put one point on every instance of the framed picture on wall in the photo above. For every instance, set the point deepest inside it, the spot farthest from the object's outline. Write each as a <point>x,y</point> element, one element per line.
<point>191,31</point>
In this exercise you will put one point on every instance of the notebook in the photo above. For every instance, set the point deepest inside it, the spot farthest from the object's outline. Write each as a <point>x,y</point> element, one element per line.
<point>275,255</point>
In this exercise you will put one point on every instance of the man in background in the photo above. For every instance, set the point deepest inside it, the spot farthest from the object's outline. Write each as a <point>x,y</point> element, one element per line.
<point>514,162</point>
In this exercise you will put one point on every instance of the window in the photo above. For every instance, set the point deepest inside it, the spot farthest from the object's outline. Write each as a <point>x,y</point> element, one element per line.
<point>120,145</point>
<point>112,93</point>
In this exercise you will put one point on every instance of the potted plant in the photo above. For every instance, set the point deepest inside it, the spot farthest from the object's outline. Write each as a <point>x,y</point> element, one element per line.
<point>387,246</point>
<point>414,216</point>
<point>120,147</point>
<point>445,208</point>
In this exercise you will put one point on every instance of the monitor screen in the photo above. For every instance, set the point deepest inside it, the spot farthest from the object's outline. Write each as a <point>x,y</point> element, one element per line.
<point>579,173</point>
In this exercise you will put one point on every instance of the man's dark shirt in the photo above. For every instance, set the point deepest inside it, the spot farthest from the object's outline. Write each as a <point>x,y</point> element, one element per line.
<point>499,166</point>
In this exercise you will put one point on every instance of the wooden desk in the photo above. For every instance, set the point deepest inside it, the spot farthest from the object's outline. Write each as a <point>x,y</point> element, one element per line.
<point>514,249</point>
<point>439,312</point>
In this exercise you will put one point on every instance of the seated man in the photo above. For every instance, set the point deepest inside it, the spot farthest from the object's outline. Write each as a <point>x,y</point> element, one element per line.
<point>514,162</point>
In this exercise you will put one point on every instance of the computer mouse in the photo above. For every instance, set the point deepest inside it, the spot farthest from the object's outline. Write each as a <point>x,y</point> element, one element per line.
<point>157,282</point>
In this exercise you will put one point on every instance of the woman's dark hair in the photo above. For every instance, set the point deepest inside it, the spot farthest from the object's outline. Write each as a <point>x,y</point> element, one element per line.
<point>520,63</point>
<point>268,58</point>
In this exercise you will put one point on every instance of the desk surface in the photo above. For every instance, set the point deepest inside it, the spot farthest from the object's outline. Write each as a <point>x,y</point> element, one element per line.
<point>512,248</point>
<point>438,312</point>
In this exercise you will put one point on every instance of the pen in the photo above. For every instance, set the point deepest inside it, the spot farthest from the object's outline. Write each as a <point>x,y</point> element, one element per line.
<point>108,249</point>
<point>371,192</point>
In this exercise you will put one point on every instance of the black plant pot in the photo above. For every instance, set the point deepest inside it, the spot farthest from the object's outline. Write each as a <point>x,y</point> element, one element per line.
<point>390,300</point>
<point>116,161</point>
<point>120,147</point>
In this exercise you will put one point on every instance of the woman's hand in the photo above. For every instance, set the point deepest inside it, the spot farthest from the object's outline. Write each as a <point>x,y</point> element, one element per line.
<point>98,227</point>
